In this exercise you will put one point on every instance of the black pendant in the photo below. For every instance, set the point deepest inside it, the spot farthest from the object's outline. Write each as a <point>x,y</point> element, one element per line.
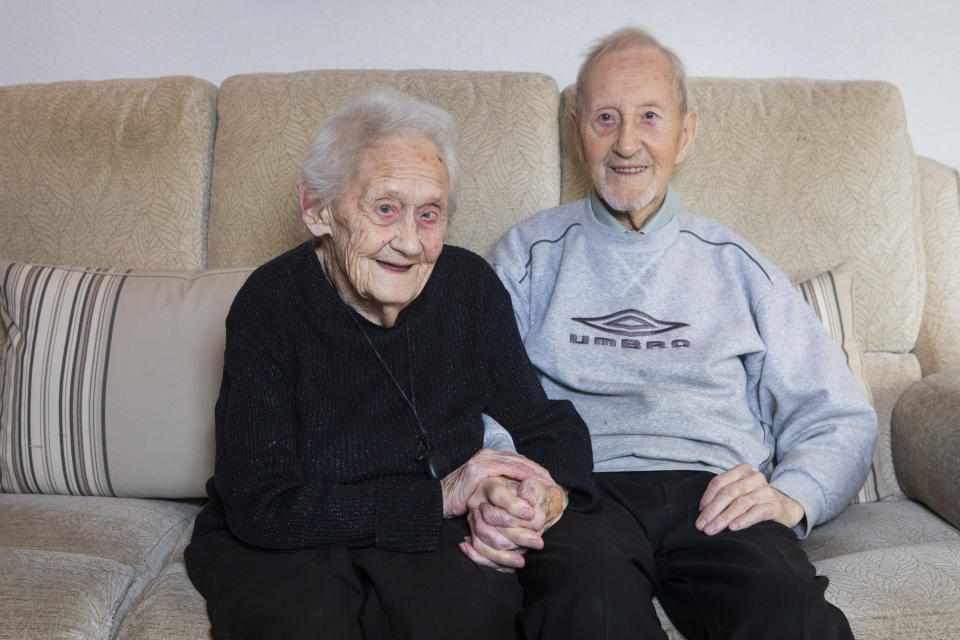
<point>435,464</point>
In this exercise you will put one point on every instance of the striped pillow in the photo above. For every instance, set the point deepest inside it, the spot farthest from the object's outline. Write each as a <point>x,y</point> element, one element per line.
<point>109,379</point>
<point>830,295</point>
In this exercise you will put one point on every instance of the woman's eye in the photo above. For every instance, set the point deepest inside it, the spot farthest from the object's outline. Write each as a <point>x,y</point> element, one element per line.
<point>429,216</point>
<point>649,115</point>
<point>384,209</point>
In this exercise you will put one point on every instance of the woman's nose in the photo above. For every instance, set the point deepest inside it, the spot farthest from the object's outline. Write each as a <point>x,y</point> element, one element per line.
<point>406,238</point>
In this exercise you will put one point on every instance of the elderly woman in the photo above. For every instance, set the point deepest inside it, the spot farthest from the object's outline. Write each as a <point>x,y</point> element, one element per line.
<point>348,425</point>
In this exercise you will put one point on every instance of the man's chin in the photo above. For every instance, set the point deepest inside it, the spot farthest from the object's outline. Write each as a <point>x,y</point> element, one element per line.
<point>625,202</point>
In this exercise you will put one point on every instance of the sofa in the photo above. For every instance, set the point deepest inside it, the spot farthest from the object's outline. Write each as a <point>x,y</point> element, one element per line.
<point>131,210</point>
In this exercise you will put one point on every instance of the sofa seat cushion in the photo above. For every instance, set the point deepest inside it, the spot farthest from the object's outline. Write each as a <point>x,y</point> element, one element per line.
<point>170,607</point>
<point>72,561</point>
<point>47,594</point>
<point>909,592</point>
<point>880,525</point>
<point>894,570</point>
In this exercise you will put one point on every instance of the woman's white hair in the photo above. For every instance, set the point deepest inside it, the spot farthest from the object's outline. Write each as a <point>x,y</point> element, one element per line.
<point>360,124</point>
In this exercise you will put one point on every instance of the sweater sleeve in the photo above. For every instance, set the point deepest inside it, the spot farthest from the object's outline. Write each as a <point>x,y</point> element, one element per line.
<point>549,432</point>
<point>268,499</point>
<point>824,427</point>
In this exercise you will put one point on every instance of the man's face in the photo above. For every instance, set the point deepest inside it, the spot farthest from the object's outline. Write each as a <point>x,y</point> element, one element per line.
<point>631,129</point>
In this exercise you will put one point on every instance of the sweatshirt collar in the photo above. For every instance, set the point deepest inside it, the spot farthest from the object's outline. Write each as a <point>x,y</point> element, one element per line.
<point>660,219</point>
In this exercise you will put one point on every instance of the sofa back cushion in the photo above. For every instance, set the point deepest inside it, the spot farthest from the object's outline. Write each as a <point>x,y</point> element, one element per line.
<point>509,163</point>
<point>107,173</point>
<point>814,173</point>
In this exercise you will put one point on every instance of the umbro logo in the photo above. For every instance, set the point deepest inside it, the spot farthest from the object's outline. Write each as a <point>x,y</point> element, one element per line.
<point>633,323</point>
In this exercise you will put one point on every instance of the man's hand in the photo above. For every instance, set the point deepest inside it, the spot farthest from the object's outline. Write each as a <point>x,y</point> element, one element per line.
<point>459,485</point>
<point>507,517</point>
<point>741,497</point>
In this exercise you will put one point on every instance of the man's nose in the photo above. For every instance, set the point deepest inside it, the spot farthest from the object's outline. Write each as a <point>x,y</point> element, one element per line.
<point>629,139</point>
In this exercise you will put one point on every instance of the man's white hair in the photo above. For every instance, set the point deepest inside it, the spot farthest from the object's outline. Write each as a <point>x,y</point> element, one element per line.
<point>629,38</point>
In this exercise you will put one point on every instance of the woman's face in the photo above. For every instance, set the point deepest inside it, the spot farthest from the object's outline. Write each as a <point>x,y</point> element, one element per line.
<point>386,230</point>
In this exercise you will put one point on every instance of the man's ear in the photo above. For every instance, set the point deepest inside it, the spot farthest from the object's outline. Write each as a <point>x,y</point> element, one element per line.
<point>687,134</point>
<point>312,212</point>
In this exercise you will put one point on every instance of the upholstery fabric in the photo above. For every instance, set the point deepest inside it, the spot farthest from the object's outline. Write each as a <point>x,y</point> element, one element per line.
<point>889,375</point>
<point>107,173</point>
<point>170,608</point>
<point>509,160</point>
<point>814,173</point>
<point>110,379</point>
<point>72,566</point>
<point>938,346</point>
<point>925,434</point>
<point>34,585</point>
<point>899,592</point>
<point>830,295</point>
<point>882,525</point>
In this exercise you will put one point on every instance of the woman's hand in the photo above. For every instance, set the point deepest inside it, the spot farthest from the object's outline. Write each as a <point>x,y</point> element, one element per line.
<point>459,485</point>
<point>500,522</point>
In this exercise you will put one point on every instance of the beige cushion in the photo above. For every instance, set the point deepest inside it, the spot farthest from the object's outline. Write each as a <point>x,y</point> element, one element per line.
<point>110,379</point>
<point>71,566</point>
<point>107,173</point>
<point>938,346</point>
<point>509,162</point>
<point>830,295</point>
<point>53,595</point>
<point>814,173</point>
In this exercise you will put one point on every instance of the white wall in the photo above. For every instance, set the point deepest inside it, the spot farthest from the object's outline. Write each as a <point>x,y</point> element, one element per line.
<point>911,44</point>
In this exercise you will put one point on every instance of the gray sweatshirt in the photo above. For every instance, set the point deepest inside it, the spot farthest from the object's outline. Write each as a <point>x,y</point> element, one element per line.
<point>685,348</point>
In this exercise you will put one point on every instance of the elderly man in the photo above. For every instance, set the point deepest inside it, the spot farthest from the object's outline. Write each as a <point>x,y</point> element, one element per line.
<point>724,421</point>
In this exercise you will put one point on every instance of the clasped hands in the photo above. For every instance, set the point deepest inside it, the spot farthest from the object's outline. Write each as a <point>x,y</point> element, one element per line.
<point>509,501</point>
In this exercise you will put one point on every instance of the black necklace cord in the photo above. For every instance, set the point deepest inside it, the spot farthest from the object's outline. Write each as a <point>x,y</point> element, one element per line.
<point>435,464</point>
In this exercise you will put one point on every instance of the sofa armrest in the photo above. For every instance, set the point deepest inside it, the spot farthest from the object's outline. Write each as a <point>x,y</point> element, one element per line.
<point>925,437</point>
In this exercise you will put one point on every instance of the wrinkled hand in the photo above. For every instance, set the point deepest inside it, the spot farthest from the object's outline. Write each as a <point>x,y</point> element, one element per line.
<point>508,517</point>
<point>459,485</point>
<point>741,497</point>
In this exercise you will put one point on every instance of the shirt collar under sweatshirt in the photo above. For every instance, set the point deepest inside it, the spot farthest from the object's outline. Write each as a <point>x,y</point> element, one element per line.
<point>668,209</point>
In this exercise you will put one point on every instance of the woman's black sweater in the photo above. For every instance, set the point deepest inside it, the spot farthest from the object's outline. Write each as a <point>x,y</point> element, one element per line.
<point>316,446</point>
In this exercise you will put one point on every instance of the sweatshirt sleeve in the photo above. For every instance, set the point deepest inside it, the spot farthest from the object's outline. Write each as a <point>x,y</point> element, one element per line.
<point>268,499</point>
<point>824,427</point>
<point>549,432</point>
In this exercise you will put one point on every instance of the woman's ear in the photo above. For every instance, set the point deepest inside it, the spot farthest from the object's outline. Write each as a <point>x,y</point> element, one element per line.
<point>312,212</point>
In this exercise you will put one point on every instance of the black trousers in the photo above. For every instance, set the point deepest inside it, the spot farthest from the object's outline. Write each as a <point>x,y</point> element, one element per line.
<point>351,594</point>
<point>598,571</point>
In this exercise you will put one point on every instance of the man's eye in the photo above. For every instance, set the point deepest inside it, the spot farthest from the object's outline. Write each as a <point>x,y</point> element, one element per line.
<point>429,216</point>
<point>606,117</point>
<point>649,115</point>
<point>384,209</point>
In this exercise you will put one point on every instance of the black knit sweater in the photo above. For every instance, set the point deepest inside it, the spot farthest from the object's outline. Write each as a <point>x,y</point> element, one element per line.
<point>316,446</point>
